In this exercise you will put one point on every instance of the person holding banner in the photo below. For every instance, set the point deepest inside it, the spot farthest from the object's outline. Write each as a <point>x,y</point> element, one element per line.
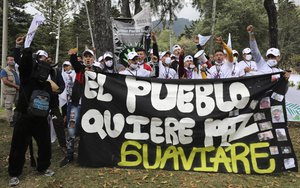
<point>187,68</point>
<point>133,67</point>
<point>165,69</point>
<point>73,111</point>
<point>273,58</point>
<point>247,64</point>
<point>224,66</point>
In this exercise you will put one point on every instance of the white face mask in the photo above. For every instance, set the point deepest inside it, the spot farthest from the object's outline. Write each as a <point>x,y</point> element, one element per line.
<point>134,66</point>
<point>235,59</point>
<point>68,72</point>
<point>109,63</point>
<point>272,62</point>
<point>248,57</point>
<point>168,60</point>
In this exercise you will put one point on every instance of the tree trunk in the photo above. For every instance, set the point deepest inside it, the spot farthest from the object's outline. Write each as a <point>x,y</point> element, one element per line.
<point>272,15</point>
<point>103,32</point>
<point>125,10</point>
<point>137,6</point>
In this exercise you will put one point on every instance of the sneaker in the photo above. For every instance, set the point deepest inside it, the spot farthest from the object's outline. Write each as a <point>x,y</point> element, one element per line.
<point>65,161</point>
<point>49,173</point>
<point>13,181</point>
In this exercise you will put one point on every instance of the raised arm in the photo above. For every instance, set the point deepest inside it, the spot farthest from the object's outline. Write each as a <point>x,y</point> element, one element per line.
<point>253,45</point>
<point>73,60</point>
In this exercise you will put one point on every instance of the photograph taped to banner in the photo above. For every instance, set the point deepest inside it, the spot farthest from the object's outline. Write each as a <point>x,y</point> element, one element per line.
<point>185,125</point>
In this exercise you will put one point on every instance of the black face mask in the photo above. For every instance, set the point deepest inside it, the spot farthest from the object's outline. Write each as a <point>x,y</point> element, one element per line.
<point>41,71</point>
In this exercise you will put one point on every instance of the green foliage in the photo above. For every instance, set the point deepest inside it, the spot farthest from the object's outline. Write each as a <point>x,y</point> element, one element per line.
<point>18,21</point>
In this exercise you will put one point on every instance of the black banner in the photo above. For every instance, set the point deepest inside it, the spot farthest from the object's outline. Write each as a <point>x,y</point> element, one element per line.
<point>233,125</point>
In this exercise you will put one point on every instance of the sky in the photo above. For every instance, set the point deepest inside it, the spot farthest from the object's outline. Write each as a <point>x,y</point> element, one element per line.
<point>187,12</point>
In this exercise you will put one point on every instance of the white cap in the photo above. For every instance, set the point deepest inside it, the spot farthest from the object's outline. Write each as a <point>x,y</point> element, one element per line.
<point>273,51</point>
<point>42,52</point>
<point>88,51</point>
<point>188,57</point>
<point>246,51</point>
<point>164,53</point>
<point>107,54</point>
<point>66,63</point>
<point>100,59</point>
<point>176,47</point>
<point>235,52</point>
<point>132,55</point>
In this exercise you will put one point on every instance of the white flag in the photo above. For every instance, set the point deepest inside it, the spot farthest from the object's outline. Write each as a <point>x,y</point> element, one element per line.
<point>229,44</point>
<point>143,18</point>
<point>203,39</point>
<point>37,20</point>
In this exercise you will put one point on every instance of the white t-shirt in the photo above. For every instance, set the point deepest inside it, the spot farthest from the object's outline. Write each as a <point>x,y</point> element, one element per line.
<point>226,70</point>
<point>167,72</point>
<point>251,64</point>
<point>138,72</point>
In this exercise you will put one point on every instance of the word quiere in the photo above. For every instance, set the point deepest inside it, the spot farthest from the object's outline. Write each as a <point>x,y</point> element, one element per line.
<point>209,158</point>
<point>178,95</point>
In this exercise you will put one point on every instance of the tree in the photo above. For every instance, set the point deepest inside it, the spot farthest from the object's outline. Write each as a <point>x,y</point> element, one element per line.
<point>18,21</point>
<point>103,32</point>
<point>272,15</point>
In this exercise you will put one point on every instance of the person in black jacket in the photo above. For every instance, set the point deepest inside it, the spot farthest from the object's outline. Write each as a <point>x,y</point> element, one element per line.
<point>33,111</point>
<point>73,112</point>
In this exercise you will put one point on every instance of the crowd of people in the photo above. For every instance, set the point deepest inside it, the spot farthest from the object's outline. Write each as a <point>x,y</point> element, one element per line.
<point>45,93</point>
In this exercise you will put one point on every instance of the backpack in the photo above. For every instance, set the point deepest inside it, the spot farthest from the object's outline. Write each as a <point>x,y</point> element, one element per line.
<point>39,103</point>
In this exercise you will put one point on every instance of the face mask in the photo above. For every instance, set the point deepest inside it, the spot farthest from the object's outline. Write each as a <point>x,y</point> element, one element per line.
<point>168,61</point>
<point>248,57</point>
<point>88,65</point>
<point>134,66</point>
<point>192,66</point>
<point>140,62</point>
<point>109,63</point>
<point>272,62</point>
<point>235,59</point>
<point>68,72</point>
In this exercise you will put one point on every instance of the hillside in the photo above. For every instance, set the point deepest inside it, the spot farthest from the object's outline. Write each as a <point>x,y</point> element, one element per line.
<point>178,27</point>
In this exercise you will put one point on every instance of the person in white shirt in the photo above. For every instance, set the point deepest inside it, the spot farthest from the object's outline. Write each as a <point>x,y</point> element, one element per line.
<point>187,68</point>
<point>247,64</point>
<point>133,67</point>
<point>224,67</point>
<point>165,70</point>
<point>273,58</point>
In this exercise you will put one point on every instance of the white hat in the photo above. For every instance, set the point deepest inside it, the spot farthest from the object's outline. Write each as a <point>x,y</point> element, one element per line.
<point>188,57</point>
<point>88,51</point>
<point>246,51</point>
<point>100,58</point>
<point>164,53</point>
<point>66,63</point>
<point>42,52</point>
<point>235,52</point>
<point>107,54</point>
<point>176,47</point>
<point>132,55</point>
<point>273,51</point>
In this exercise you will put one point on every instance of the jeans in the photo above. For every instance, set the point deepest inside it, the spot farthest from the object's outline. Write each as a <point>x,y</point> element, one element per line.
<point>73,123</point>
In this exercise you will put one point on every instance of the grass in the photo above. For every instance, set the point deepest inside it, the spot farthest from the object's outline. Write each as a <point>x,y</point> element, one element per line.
<point>75,176</point>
